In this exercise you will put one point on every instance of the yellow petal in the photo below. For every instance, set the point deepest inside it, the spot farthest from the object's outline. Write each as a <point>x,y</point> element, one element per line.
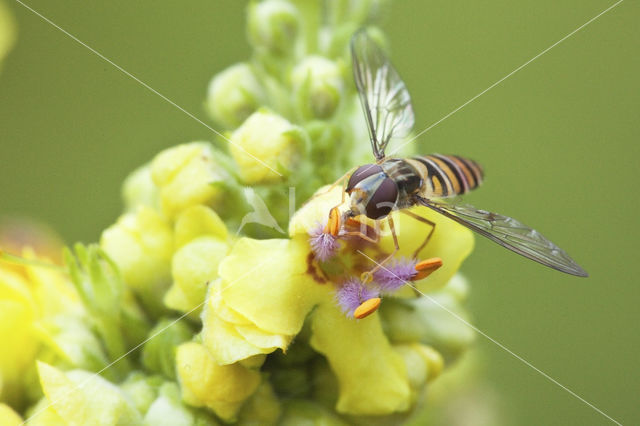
<point>198,221</point>
<point>8,417</point>
<point>267,281</point>
<point>224,312</point>
<point>224,342</point>
<point>263,339</point>
<point>372,376</point>
<point>193,267</point>
<point>450,241</point>
<point>221,388</point>
<point>315,210</point>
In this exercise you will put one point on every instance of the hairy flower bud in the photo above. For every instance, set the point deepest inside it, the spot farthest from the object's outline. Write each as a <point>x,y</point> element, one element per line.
<point>201,242</point>
<point>158,353</point>
<point>266,147</point>
<point>204,383</point>
<point>318,85</point>
<point>263,408</point>
<point>67,391</point>
<point>139,190</point>
<point>141,244</point>
<point>188,175</point>
<point>273,26</point>
<point>233,95</point>
<point>434,319</point>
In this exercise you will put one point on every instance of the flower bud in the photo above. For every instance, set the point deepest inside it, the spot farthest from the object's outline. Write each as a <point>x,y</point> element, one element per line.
<point>67,391</point>
<point>318,85</point>
<point>266,147</point>
<point>302,412</point>
<point>263,408</point>
<point>233,95</point>
<point>188,175</point>
<point>158,353</point>
<point>139,190</point>
<point>273,26</point>
<point>423,363</point>
<point>142,389</point>
<point>204,383</point>
<point>201,238</point>
<point>168,409</point>
<point>430,320</point>
<point>193,267</point>
<point>141,244</point>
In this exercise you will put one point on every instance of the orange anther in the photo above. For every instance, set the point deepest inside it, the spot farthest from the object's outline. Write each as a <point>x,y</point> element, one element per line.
<point>426,267</point>
<point>367,307</point>
<point>333,225</point>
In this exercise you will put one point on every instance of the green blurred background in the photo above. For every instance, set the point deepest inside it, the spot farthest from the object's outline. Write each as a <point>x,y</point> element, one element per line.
<point>558,140</point>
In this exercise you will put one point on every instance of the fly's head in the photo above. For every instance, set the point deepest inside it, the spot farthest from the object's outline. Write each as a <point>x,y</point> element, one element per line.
<point>372,192</point>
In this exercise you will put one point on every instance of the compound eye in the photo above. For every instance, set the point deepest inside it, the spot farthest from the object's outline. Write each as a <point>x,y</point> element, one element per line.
<point>362,173</point>
<point>383,200</point>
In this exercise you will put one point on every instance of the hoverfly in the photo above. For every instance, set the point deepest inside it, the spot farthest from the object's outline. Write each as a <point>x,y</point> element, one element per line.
<point>398,184</point>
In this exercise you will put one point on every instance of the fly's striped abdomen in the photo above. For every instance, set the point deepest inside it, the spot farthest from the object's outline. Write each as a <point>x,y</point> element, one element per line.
<point>447,175</point>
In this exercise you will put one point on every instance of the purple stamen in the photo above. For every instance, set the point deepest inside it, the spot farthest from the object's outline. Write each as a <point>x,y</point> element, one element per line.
<point>392,277</point>
<point>323,244</point>
<point>352,293</point>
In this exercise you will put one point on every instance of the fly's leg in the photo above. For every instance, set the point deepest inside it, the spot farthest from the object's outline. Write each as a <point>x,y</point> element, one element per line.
<point>364,235</point>
<point>423,220</point>
<point>368,275</point>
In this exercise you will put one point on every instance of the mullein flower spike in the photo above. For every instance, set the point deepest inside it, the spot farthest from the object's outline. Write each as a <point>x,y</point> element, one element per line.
<point>189,317</point>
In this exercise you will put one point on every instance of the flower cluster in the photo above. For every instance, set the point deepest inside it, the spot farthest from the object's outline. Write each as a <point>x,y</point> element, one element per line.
<point>196,308</point>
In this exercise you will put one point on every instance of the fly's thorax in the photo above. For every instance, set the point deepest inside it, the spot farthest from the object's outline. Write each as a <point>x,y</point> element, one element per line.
<point>372,192</point>
<point>407,179</point>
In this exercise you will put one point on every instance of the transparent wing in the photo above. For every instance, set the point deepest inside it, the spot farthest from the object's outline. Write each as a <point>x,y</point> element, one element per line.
<point>509,233</point>
<point>384,96</point>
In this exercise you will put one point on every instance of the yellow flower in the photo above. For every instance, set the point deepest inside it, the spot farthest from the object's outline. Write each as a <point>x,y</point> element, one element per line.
<point>30,298</point>
<point>267,288</point>
<point>261,300</point>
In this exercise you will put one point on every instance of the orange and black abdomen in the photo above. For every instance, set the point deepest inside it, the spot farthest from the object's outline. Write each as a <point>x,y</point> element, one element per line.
<point>447,175</point>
